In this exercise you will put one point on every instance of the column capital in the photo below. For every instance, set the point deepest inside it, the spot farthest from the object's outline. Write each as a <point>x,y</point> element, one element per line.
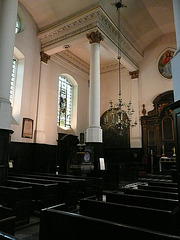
<point>134,74</point>
<point>95,37</point>
<point>44,57</point>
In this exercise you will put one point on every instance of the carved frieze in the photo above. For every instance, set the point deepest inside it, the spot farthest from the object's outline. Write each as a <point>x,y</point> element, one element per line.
<point>93,20</point>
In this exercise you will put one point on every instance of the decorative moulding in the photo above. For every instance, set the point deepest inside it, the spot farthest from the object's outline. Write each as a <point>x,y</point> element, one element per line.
<point>95,19</point>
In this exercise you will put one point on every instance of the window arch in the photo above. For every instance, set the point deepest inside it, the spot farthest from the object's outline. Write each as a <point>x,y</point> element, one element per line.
<point>20,21</point>
<point>65,92</point>
<point>18,25</point>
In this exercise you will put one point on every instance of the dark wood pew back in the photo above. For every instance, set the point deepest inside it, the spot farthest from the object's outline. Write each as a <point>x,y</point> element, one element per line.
<point>150,193</point>
<point>7,220</point>
<point>63,191</point>
<point>56,224</point>
<point>5,236</point>
<point>18,198</point>
<point>163,184</point>
<point>88,186</point>
<point>149,218</point>
<point>43,195</point>
<point>144,201</point>
<point>159,188</point>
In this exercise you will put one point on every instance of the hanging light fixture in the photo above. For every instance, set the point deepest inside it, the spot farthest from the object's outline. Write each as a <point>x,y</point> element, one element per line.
<point>120,114</point>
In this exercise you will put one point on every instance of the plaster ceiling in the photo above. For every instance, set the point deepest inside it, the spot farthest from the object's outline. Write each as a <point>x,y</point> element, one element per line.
<point>142,21</point>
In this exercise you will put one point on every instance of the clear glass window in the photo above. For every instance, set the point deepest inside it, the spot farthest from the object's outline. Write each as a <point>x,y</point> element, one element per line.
<point>13,80</point>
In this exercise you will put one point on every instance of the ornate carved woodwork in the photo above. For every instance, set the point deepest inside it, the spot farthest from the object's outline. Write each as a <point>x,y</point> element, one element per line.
<point>111,134</point>
<point>157,126</point>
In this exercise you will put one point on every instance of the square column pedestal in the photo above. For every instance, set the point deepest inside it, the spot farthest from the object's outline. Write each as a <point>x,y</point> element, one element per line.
<point>94,134</point>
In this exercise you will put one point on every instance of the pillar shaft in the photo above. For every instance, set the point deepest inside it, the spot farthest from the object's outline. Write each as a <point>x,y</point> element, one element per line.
<point>94,97</point>
<point>8,15</point>
<point>175,62</point>
<point>94,131</point>
<point>176,9</point>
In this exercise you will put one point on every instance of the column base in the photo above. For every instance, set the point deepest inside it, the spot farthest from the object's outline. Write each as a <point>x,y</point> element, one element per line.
<point>94,134</point>
<point>5,113</point>
<point>4,156</point>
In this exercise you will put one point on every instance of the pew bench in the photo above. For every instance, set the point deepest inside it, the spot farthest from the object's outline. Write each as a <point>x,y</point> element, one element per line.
<point>5,236</point>
<point>65,191</point>
<point>7,220</point>
<point>42,194</point>
<point>138,200</point>
<point>159,188</point>
<point>149,218</point>
<point>82,185</point>
<point>150,193</point>
<point>88,186</point>
<point>58,224</point>
<point>163,184</point>
<point>17,197</point>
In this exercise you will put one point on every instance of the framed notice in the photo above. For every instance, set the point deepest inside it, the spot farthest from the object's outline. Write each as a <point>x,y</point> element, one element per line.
<point>102,164</point>
<point>27,128</point>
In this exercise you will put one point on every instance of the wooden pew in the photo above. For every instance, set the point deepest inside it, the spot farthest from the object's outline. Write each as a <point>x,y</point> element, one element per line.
<point>56,224</point>
<point>87,186</point>
<point>144,201</point>
<point>43,195</point>
<point>149,218</point>
<point>159,188</point>
<point>90,185</point>
<point>7,220</point>
<point>65,191</point>
<point>163,184</point>
<point>18,198</point>
<point>150,193</point>
<point>5,236</point>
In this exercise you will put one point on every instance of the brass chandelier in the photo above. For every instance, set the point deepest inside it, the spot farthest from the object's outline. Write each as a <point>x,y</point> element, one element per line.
<point>120,114</point>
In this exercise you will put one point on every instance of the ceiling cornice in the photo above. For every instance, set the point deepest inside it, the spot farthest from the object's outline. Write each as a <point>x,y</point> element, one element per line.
<point>55,37</point>
<point>69,60</point>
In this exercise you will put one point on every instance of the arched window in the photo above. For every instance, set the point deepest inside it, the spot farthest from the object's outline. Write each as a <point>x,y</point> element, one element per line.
<point>64,102</point>
<point>18,25</point>
<point>13,81</point>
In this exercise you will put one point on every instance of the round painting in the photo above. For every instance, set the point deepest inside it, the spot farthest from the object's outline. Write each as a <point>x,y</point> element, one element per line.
<point>164,64</point>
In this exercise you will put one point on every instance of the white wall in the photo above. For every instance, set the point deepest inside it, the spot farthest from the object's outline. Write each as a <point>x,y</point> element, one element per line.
<point>43,109</point>
<point>151,83</point>
<point>28,44</point>
<point>47,117</point>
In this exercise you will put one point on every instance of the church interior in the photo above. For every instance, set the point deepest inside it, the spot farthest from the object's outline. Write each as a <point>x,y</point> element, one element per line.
<point>89,119</point>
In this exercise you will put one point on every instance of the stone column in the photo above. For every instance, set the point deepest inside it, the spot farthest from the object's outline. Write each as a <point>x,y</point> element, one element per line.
<point>176,59</point>
<point>175,63</point>
<point>8,15</point>
<point>94,131</point>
